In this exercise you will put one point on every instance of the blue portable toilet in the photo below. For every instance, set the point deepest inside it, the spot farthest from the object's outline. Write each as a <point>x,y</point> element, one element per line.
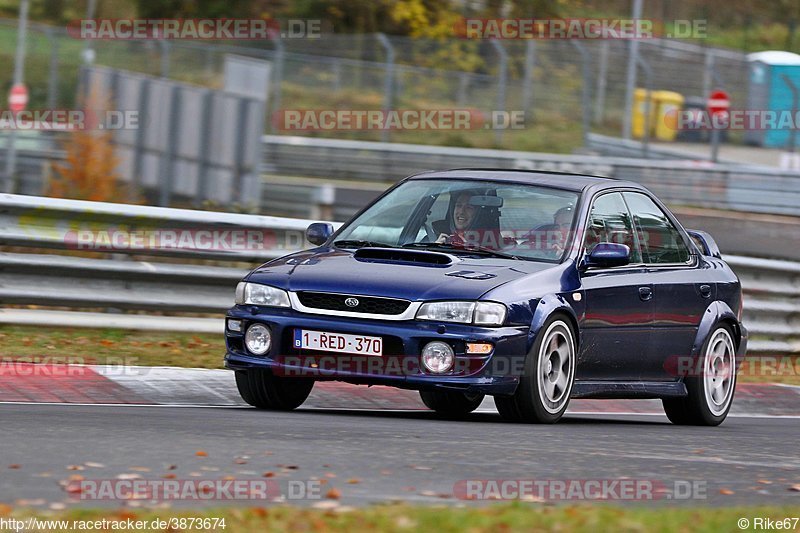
<point>768,91</point>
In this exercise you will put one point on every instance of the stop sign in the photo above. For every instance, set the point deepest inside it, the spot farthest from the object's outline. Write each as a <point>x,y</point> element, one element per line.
<point>718,102</point>
<point>18,97</point>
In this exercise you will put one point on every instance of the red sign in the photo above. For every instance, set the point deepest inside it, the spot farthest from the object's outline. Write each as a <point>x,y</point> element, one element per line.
<point>718,102</point>
<point>18,97</point>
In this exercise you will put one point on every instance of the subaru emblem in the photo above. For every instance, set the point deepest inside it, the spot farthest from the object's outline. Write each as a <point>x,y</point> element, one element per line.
<point>351,302</point>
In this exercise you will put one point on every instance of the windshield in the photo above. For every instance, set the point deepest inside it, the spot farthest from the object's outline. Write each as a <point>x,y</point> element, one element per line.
<point>505,219</point>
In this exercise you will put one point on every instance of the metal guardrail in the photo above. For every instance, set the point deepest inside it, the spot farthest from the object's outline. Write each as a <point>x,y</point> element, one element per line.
<point>677,182</point>
<point>755,189</point>
<point>772,288</point>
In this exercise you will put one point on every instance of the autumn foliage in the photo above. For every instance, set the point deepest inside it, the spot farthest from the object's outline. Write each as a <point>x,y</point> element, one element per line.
<point>89,170</point>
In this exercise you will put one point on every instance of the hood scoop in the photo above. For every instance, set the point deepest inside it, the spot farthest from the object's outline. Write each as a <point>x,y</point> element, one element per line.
<point>406,257</point>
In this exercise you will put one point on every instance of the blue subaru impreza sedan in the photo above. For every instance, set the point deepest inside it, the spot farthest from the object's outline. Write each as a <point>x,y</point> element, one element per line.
<point>532,287</point>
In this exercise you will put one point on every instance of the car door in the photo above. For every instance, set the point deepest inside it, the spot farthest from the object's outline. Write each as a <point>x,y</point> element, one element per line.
<point>681,290</point>
<point>617,324</point>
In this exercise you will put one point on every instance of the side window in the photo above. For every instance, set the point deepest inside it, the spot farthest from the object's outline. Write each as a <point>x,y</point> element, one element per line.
<point>609,221</point>
<point>660,240</point>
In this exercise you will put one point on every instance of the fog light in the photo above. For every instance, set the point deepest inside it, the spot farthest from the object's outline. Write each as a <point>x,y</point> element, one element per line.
<point>234,325</point>
<point>437,357</point>
<point>258,339</point>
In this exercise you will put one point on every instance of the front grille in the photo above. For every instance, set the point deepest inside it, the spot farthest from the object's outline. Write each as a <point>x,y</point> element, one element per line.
<point>366,304</point>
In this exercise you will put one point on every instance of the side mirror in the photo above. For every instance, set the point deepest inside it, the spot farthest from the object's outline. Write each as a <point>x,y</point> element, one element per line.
<point>318,233</point>
<point>607,255</point>
<point>705,242</point>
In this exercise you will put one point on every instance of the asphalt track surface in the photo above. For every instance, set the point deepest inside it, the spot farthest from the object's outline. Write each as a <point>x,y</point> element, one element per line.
<point>371,456</point>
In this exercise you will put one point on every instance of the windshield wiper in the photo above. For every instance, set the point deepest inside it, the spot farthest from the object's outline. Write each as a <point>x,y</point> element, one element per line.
<point>465,249</point>
<point>357,243</point>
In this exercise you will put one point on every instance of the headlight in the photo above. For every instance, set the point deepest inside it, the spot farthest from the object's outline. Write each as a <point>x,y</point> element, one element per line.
<point>490,314</point>
<point>258,339</point>
<point>478,313</point>
<point>257,294</point>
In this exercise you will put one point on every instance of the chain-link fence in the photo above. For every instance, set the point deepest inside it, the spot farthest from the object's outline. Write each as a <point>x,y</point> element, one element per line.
<point>563,86</point>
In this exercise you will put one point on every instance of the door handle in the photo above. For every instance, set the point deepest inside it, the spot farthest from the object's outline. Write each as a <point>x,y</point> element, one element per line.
<point>705,291</point>
<point>645,293</point>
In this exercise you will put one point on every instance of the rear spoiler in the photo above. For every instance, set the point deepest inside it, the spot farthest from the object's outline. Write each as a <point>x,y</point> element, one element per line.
<point>705,242</point>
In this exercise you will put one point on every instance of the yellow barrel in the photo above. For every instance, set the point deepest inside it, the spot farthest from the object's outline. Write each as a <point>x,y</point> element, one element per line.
<point>666,106</point>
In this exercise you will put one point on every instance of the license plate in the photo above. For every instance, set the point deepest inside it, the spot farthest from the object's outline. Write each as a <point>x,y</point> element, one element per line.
<point>337,342</point>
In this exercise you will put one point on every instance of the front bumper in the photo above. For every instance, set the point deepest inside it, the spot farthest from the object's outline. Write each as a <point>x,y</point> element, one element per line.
<point>495,373</point>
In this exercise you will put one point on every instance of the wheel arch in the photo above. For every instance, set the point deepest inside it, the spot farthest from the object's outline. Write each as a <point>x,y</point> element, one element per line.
<point>548,306</point>
<point>717,312</point>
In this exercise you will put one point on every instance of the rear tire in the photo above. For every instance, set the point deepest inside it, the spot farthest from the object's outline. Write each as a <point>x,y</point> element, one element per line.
<point>546,384</point>
<point>451,404</point>
<point>263,390</point>
<point>710,393</point>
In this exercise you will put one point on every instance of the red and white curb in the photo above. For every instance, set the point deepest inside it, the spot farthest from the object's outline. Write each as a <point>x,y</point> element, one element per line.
<point>170,386</point>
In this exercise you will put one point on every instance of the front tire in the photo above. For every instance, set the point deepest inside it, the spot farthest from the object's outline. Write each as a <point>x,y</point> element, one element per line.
<point>263,390</point>
<point>546,384</point>
<point>710,393</point>
<point>451,404</point>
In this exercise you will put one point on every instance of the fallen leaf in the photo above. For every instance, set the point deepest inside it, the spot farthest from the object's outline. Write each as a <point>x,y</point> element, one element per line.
<point>764,482</point>
<point>169,476</point>
<point>268,474</point>
<point>726,492</point>
<point>795,488</point>
<point>14,467</point>
<point>353,481</point>
<point>94,465</point>
<point>325,505</point>
<point>5,510</point>
<point>129,476</point>
<point>172,467</point>
<point>75,467</point>
<point>240,461</point>
<point>201,453</point>
<point>139,469</point>
<point>259,512</point>
<point>333,494</point>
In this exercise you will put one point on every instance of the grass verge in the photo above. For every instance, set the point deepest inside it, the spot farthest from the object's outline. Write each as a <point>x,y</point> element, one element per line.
<point>203,350</point>
<point>391,518</point>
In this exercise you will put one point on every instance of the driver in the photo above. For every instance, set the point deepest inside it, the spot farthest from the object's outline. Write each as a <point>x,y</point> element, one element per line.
<point>463,218</point>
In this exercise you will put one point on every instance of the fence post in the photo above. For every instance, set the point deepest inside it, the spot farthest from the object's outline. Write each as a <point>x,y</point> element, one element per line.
<point>502,82</point>
<point>19,75</point>
<point>205,146</point>
<point>165,48</point>
<point>388,88</point>
<point>527,88</point>
<point>648,76</point>
<point>168,158</point>
<point>586,99</point>
<point>602,81</point>
<point>630,79</point>
<point>708,71</point>
<point>463,85</point>
<point>277,76</point>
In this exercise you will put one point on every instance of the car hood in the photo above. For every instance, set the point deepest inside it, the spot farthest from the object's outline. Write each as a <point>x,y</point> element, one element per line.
<point>410,275</point>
